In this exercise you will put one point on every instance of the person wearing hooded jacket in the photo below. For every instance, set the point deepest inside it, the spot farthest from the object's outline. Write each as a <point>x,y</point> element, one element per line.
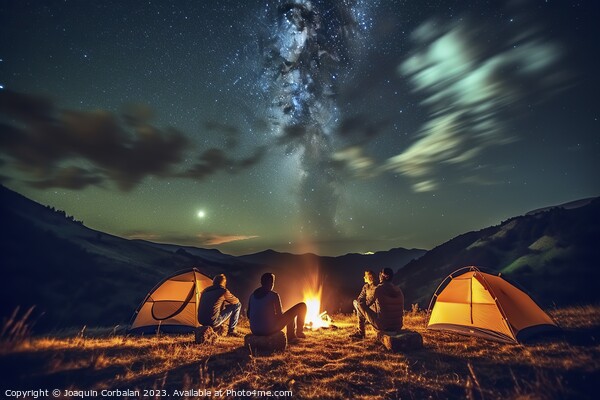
<point>217,304</point>
<point>265,313</point>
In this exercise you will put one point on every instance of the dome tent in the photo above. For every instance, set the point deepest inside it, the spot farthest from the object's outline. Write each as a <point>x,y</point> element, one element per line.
<point>479,304</point>
<point>172,305</point>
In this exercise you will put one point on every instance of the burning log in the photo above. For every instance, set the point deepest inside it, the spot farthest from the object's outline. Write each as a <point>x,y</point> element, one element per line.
<point>315,319</point>
<point>323,320</point>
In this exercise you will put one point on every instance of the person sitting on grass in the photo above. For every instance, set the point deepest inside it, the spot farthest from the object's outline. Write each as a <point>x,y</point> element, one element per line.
<point>217,304</point>
<point>389,307</point>
<point>265,313</point>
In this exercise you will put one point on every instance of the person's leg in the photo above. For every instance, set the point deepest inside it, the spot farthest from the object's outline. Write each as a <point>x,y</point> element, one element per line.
<point>231,311</point>
<point>370,315</point>
<point>361,318</point>
<point>294,320</point>
<point>235,316</point>
<point>299,310</point>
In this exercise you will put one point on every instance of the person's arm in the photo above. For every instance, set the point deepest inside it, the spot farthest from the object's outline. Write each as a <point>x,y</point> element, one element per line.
<point>277,304</point>
<point>370,303</point>
<point>230,298</point>
<point>362,297</point>
<point>376,294</point>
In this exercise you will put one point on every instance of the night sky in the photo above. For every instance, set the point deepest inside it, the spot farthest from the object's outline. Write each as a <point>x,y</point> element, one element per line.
<point>322,126</point>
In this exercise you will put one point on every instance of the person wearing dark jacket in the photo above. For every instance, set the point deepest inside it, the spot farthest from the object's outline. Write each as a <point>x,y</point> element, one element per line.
<point>265,313</point>
<point>366,298</point>
<point>217,304</point>
<point>389,306</point>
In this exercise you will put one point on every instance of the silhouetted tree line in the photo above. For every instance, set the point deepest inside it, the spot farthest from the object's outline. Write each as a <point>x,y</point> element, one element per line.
<point>65,215</point>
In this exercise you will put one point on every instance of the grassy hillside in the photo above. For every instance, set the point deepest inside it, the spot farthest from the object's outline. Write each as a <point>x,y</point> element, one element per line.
<point>326,365</point>
<point>553,254</point>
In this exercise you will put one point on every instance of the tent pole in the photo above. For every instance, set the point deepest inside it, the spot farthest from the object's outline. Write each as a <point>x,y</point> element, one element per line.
<point>197,298</point>
<point>471,298</point>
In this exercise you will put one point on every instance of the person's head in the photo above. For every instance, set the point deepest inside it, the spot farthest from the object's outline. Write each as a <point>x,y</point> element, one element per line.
<point>267,280</point>
<point>369,277</point>
<point>386,274</point>
<point>220,280</point>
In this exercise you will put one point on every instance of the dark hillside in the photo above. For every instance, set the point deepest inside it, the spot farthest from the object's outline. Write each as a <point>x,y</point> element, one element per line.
<point>554,254</point>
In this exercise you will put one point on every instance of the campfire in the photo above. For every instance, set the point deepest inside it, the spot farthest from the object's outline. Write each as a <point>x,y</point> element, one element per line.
<point>315,318</point>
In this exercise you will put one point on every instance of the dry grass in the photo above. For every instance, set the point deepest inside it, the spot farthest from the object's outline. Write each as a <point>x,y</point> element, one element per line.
<point>324,365</point>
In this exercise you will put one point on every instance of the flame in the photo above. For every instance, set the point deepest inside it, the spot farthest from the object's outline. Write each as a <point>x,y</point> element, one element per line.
<point>315,319</point>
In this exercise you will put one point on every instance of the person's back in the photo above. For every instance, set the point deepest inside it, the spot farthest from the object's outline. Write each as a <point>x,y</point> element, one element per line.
<point>263,307</point>
<point>265,313</point>
<point>217,304</point>
<point>210,305</point>
<point>389,305</point>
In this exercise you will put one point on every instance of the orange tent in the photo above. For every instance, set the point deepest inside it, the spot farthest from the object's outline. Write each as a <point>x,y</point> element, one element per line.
<point>479,304</point>
<point>172,305</point>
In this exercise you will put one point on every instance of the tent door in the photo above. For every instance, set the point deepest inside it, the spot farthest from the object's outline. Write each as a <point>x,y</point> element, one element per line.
<point>180,309</point>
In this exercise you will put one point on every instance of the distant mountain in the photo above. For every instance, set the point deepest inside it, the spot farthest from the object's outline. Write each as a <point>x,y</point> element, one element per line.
<point>77,276</point>
<point>566,206</point>
<point>553,253</point>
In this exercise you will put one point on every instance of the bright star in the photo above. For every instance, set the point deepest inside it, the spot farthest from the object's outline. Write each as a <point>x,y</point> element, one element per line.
<point>201,214</point>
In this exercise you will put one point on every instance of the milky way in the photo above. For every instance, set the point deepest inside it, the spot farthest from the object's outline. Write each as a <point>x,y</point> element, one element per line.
<point>308,51</point>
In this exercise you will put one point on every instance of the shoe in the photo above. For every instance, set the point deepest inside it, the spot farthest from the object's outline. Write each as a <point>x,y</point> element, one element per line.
<point>357,335</point>
<point>300,335</point>
<point>234,334</point>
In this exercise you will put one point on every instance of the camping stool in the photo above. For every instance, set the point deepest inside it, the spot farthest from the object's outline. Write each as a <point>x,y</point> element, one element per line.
<point>404,340</point>
<point>205,334</point>
<point>265,344</point>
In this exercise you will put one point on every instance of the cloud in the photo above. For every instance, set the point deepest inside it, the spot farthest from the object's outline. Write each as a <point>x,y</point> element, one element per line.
<point>150,236</point>
<point>74,178</point>
<point>230,132</point>
<point>75,149</point>
<point>441,141</point>
<point>215,240</point>
<point>468,90</point>
<point>214,160</point>
<point>353,160</point>
<point>200,239</point>
<point>41,139</point>
<point>425,186</point>
<point>478,180</point>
